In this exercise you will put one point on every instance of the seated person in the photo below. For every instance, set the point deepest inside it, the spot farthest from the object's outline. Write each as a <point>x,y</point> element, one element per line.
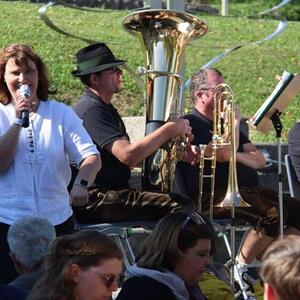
<point>112,199</point>
<point>172,260</point>
<point>29,240</point>
<point>280,269</point>
<point>83,265</point>
<point>263,212</point>
<point>294,148</point>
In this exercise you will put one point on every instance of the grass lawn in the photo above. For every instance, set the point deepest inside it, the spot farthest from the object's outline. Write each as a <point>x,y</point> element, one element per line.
<point>250,71</point>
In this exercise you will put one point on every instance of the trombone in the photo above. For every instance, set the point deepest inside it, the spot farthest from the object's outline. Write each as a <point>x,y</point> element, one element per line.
<point>223,135</point>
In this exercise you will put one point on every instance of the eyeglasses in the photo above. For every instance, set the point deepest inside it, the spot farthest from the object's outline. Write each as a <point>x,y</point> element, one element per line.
<point>208,89</point>
<point>108,280</point>
<point>196,218</point>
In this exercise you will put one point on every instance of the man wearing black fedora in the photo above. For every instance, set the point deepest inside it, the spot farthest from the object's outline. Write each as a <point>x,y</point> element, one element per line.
<point>111,198</point>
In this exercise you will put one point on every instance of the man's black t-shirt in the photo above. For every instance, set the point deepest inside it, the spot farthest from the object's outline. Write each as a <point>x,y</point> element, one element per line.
<point>104,124</point>
<point>202,131</point>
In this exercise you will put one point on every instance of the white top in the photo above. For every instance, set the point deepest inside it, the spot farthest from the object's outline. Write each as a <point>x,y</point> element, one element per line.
<point>36,182</point>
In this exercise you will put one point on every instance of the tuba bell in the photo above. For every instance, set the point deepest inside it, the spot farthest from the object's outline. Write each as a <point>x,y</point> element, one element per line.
<point>164,35</point>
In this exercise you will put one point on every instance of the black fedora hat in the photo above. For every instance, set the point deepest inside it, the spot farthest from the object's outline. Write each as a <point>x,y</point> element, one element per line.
<point>95,58</point>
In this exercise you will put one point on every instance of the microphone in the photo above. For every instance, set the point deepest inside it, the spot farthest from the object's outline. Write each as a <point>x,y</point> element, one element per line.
<point>25,93</point>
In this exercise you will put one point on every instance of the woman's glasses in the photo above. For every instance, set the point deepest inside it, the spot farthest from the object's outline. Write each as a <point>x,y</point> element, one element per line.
<point>108,280</point>
<point>194,217</point>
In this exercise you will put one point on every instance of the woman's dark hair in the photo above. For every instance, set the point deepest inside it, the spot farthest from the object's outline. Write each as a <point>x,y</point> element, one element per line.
<point>174,233</point>
<point>21,54</point>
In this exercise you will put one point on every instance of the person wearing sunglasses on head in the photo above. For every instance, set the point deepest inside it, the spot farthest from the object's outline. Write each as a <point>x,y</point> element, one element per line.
<point>172,260</point>
<point>85,265</point>
<point>111,198</point>
<point>38,136</point>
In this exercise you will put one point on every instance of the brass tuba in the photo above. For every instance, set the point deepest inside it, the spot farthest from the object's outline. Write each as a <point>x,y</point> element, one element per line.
<point>164,35</point>
<point>223,135</point>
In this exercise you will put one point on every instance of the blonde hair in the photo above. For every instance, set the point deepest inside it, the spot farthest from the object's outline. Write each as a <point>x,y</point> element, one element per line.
<point>281,267</point>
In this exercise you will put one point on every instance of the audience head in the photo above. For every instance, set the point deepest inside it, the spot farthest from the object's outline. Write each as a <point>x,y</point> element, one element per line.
<point>85,265</point>
<point>30,240</point>
<point>94,59</point>
<point>182,243</point>
<point>24,57</point>
<point>280,269</point>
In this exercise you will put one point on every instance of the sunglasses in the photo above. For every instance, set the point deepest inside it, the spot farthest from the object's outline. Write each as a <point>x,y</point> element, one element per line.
<point>108,280</point>
<point>194,217</point>
<point>115,69</point>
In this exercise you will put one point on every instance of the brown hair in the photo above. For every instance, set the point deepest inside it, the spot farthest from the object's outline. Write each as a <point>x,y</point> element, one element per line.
<point>21,54</point>
<point>174,233</point>
<point>85,248</point>
<point>281,267</point>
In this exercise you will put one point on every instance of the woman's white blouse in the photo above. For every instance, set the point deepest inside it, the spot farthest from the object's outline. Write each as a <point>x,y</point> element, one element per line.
<point>36,182</point>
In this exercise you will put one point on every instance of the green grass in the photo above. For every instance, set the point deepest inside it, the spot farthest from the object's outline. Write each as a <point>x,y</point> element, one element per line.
<point>250,71</point>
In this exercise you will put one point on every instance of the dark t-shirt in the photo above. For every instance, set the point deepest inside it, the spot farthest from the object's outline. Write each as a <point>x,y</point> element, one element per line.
<point>145,288</point>
<point>202,131</point>
<point>12,293</point>
<point>104,124</point>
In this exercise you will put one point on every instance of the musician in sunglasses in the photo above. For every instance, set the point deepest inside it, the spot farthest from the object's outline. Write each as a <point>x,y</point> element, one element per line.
<point>172,260</point>
<point>111,197</point>
<point>85,265</point>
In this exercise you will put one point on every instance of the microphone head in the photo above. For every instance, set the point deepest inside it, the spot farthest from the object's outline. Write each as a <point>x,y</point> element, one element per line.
<point>25,90</point>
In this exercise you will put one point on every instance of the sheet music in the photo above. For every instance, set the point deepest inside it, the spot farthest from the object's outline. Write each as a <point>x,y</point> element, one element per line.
<point>285,90</point>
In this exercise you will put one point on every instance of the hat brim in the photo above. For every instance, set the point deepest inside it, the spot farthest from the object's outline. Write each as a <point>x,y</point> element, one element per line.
<point>96,69</point>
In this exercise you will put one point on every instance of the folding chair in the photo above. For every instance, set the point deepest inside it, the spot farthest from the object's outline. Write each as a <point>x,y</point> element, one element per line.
<point>293,182</point>
<point>120,232</point>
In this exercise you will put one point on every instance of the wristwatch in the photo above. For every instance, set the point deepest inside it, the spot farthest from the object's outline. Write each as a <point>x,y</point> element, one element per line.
<point>83,183</point>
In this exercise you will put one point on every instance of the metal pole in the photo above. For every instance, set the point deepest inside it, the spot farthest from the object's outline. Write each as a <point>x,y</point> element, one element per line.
<point>280,192</point>
<point>154,4</point>
<point>278,128</point>
<point>224,10</point>
<point>175,4</point>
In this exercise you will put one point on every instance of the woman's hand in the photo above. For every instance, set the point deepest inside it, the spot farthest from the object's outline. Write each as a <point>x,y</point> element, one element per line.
<point>22,104</point>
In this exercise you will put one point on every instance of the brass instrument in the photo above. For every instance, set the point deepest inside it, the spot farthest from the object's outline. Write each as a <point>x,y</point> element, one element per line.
<point>164,35</point>
<point>223,135</point>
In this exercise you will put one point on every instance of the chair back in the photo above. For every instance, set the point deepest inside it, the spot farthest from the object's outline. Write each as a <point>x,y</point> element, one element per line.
<point>294,184</point>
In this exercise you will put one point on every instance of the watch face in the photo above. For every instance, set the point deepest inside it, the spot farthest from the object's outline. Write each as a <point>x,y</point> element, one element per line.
<point>83,182</point>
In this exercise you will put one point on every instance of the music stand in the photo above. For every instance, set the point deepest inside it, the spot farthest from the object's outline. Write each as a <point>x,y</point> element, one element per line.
<point>269,114</point>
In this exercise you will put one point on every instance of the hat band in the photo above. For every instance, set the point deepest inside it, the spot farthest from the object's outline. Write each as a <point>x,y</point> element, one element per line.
<point>91,63</point>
